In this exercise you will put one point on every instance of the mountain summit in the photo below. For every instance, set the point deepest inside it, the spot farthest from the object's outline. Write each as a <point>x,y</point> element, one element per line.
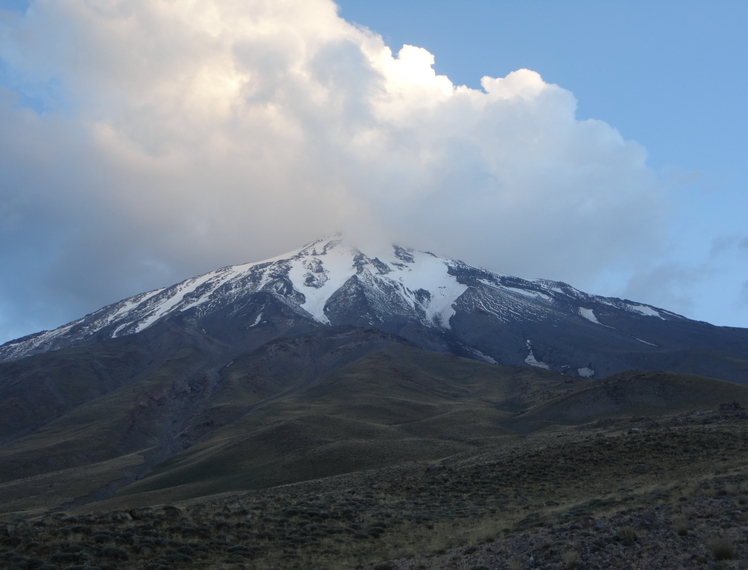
<point>440,304</point>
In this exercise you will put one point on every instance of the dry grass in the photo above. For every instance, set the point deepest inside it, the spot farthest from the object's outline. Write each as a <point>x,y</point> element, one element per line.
<point>681,525</point>
<point>626,534</point>
<point>516,563</point>
<point>571,558</point>
<point>721,548</point>
<point>557,479</point>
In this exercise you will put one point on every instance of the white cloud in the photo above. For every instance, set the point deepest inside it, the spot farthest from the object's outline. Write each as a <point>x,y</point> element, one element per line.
<point>187,135</point>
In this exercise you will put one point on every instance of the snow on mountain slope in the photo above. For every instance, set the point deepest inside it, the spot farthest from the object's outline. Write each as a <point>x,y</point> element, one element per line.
<point>330,282</point>
<point>305,279</point>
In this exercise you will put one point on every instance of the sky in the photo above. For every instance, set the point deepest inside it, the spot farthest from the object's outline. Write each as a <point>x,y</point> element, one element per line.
<point>601,143</point>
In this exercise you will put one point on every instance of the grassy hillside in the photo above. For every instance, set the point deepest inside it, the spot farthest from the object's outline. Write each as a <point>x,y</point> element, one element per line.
<point>397,404</point>
<point>339,401</point>
<point>403,404</point>
<point>626,492</point>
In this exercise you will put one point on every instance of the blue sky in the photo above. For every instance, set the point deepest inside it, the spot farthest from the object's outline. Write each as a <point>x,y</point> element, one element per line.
<point>141,144</point>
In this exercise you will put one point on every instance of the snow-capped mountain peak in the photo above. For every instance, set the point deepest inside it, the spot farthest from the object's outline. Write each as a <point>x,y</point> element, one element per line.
<point>409,281</point>
<point>436,302</point>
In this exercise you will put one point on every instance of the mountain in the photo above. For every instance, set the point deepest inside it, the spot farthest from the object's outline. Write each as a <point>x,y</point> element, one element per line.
<point>440,304</point>
<point>332,403</point>
<point>331,360</point>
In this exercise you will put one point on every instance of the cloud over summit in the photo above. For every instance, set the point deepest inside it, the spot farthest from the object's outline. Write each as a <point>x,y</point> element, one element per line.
<point>144,141</point>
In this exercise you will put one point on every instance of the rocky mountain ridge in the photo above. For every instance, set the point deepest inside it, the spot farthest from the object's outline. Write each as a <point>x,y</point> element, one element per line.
<point>440,304</point>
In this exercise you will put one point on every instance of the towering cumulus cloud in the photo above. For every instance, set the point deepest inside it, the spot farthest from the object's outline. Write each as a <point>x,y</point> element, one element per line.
<point>146,140</point>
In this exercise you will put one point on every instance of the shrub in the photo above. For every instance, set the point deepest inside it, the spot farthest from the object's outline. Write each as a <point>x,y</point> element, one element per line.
<point>721,548</point>
<point>571,559</point>
<point>174,557</point>
<point>241,551</point>
<point>117,553</point>
<point>681,526</point>
<point>516,563</point>
<point>688,512</point>
<point>64,557</point>
<point>61,531</point>
<point>125,538</point>
<point>375,531</point>
<point>626,534</point>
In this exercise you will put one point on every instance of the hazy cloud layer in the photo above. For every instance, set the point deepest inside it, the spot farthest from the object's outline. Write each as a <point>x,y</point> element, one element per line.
<point>144,141</point>
<point>714,275</point>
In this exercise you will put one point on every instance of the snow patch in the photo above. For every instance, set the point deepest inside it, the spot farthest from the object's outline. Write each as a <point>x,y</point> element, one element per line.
<point>515,290</point>
<point>478,354</point>
<point>336,264</point>
<point>180,291</point>
<point>585,372</point>
<point>532,361</point>
<point>528,293</point>
<point>645,310</point>
<point>589,315</point>
<point>318,273</point>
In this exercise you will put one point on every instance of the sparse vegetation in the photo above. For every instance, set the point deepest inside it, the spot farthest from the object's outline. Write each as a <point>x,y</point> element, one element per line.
<point>681,525</point>
<point>626,534</point>
<point>516,563</point>
<point>721,548</point>
<point>571,558</point>
<point>413,515</point>
<point>436,476</point>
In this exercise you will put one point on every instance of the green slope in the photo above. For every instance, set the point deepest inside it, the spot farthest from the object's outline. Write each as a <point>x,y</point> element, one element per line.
<point>198,421</point>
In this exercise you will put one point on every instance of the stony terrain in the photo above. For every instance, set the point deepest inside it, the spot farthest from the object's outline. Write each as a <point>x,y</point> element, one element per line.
<point>702,531</point>
<point>635,492</point>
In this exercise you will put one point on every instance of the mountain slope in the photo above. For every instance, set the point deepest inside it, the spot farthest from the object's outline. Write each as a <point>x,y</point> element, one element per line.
<point>326,282</point>
<point>440,304</point>
<point>331,401</point>
<point>329,360</point>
